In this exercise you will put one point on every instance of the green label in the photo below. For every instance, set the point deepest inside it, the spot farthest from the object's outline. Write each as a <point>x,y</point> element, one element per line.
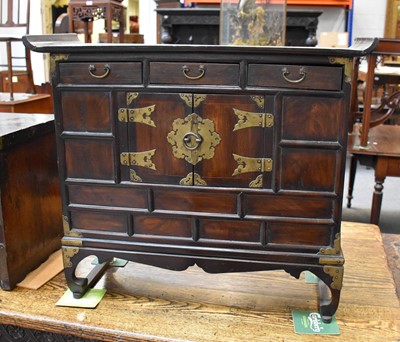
<point>307,322</point>
<point>90,300</point>
<point>311,278</point>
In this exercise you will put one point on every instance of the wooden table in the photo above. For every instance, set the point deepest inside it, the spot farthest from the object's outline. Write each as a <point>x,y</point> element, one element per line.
<point>382,153</point>
<point>149,304</point>
<point>26,103</point>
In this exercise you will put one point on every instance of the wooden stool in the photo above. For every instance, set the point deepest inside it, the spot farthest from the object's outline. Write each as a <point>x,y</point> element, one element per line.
<point>87,11</point>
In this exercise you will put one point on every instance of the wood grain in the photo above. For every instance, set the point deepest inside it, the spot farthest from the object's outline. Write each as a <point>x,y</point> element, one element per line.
<point>145,303</point>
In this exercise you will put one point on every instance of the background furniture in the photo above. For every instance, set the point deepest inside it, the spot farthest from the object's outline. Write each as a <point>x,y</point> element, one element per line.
<point>371,143</point>
<point>210,307</point>
<point>382,153</point>
<point>30,208</point>
<point>201,26</point>
<point>87,11</point>
<point>27,103</point>
<point>13,25</point>
<point>384,47</point>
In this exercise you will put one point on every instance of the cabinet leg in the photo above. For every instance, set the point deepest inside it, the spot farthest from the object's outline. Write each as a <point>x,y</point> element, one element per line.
<point>328,301</point>
<point>329,286</point>
<point>80,285</point>
<point>352,176</point>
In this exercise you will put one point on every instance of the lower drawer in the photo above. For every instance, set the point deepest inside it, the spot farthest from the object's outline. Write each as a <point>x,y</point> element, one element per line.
<point>193,231</point>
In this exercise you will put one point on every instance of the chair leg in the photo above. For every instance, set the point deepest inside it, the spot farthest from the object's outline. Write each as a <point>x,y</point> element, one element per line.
<point>352,176</point>
<point>377,201</point>
<point>10,72</point>
<point>29,71</point>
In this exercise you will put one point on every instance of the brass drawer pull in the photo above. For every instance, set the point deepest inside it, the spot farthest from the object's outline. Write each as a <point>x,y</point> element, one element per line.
<point>192,144</point>
<point>186,69</point>
<point>286,73</point>
<point>92,69</point>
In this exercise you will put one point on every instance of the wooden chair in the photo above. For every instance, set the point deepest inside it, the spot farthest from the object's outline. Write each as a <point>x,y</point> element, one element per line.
<point>371,143</point>
<point>14,23</point>
<point>372,117</point>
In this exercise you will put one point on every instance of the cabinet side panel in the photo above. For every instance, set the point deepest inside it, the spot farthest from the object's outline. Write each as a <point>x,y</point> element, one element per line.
<point>85,111</point>
<point>191,201</point>
<point>94,221</point>
<point>308,169</point>
<point>299,234</point>
<point>282,206</point>
<point>91,159</point>
<point>107,196</point>
<point>311,118</point>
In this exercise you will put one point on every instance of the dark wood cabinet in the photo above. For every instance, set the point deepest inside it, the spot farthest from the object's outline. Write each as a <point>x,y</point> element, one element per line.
<point>230,158</point>
<point>30,208</point>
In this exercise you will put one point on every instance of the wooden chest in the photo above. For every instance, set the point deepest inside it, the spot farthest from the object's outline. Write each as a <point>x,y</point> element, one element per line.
<point>30,208</point>
<point>230,158</point>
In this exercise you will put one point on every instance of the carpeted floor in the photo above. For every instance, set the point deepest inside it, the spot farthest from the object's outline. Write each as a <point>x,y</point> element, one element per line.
<point>389,223</point>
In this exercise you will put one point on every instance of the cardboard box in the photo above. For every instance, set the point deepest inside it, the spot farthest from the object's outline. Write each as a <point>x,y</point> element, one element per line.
<point>334,39</point>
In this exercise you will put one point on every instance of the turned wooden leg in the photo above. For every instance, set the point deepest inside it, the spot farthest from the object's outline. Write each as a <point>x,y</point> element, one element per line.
<point>381,170</point>
<point>352,176</point>
<point>376,202</point>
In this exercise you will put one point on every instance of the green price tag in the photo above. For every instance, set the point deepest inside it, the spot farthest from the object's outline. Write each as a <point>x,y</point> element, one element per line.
<point>311,278</point>
<point>307,322</point>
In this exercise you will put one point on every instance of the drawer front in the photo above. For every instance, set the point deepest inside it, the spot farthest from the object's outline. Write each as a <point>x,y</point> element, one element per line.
<point>295,76</point>
<point>101,73</point>
<point>194,73</point>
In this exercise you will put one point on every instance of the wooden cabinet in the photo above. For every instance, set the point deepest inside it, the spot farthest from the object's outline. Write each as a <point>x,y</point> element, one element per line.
<point>230,158</point>
<point>30,208</point>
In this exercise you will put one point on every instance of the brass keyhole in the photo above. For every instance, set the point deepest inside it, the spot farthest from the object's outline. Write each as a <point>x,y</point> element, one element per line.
<point>192,141</point>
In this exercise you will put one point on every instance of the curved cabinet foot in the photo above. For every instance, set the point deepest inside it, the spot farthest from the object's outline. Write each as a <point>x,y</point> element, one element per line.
<point>329,287</point>
<point>79,285</point>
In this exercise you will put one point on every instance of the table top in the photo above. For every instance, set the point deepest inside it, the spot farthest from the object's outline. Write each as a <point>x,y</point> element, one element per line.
<point>382,140</point>
<point>19,127</point>
<point>146,303</point>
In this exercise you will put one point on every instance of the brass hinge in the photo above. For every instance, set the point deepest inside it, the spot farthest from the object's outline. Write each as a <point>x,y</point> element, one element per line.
<point>246,164</point>
<point>143,159</point>
<point>348,66</point>
<point>337,276</point>
<point>130,97</point>
<point>68,253</point>
<point>139,115</point>
<point>53,62</point>
<point>67,228</point>
<point>193,179</point>
<point>335,250</point>
<point>250,119</point>
<point>192,100</point>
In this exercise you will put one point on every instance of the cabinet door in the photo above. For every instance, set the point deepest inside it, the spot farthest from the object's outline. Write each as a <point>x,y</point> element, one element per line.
<point>196,139</point>
<point>144,122</point>
<point>246,137</point>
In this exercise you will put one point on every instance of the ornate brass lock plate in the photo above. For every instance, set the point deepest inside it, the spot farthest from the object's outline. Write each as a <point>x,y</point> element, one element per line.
<point>193,139</point>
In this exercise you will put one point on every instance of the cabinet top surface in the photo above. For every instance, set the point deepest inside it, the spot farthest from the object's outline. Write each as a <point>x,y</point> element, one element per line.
<point>15,127</point>
<point>69,43</point>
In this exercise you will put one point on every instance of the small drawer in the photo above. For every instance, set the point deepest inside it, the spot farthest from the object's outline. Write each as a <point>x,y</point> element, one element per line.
<point>101,73</point>
<point>194,73</point>
<point>295,76</point>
